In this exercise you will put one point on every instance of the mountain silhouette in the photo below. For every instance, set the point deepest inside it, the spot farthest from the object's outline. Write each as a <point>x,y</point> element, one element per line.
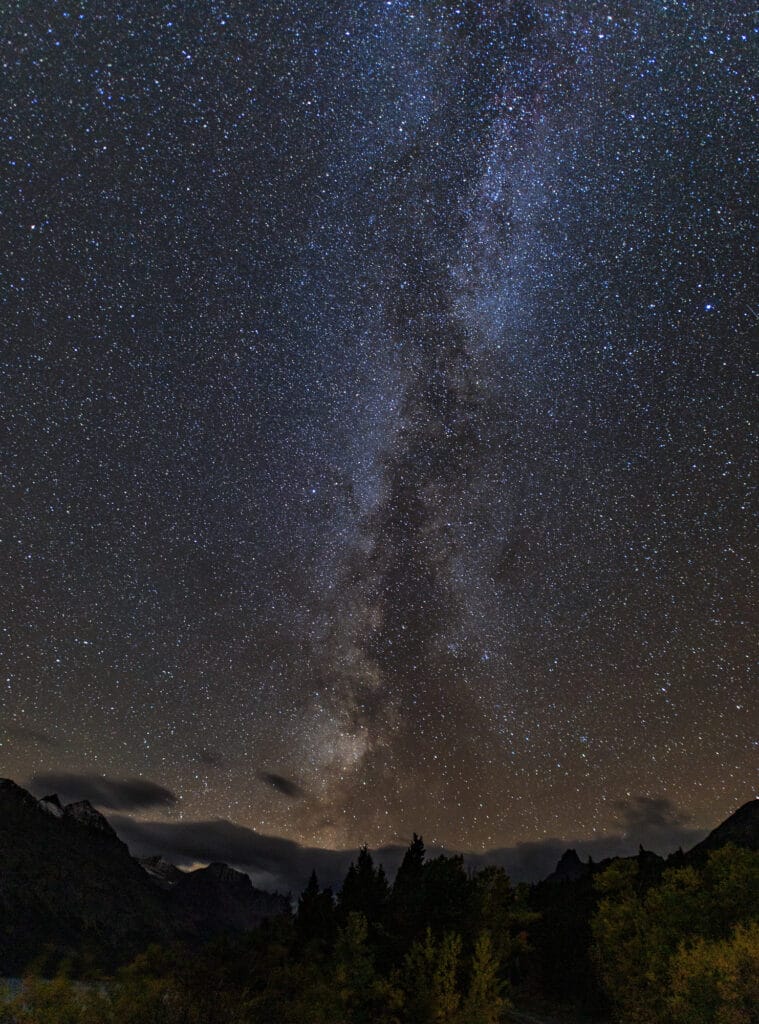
<point>68,885</point>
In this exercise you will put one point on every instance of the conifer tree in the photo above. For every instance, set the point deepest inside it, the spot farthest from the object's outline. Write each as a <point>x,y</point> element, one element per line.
<point>365,996</point>
<point>365,889</point>
<point>484,1002</point>
<point>315,919</point>
<point>430,980</point>
<point>407,897</point>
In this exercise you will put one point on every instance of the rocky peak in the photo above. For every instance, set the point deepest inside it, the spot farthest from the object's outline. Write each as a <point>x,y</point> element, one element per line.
<point>15,802</point>
<point>51,805</point>
<point>223,873</point>
<point>83,812</point>
<point>161,870</point>
<point>569,868</point>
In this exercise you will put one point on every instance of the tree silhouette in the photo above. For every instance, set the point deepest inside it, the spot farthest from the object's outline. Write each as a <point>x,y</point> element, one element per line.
<point>365,890</point>
<point>315,920</point>
<point>407,897</point>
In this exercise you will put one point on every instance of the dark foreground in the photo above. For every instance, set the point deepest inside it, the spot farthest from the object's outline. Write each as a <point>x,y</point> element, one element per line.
<point>119,942</point>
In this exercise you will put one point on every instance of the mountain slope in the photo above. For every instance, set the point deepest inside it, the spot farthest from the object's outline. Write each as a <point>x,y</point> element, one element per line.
<point>69,885</point>
<point>741,828</point>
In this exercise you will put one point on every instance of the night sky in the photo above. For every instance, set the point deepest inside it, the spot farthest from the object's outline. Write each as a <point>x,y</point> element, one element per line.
<point>376,408</point>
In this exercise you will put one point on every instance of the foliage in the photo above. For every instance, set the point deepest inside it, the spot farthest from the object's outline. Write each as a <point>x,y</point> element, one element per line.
<point>717,982</point>
<point>315,921</point>
<point>444,946</point>
<point>678,943</point>
<point>365,889</point>
<point>430,980</point>
<point>58,1001</point>
<point>557,962</point>
<point>484,1003</point>
<point>504,913</point>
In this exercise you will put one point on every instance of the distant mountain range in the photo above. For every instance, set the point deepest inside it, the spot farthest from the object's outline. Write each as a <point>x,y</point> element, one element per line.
<point>68,884</point>
<point>741,829</point>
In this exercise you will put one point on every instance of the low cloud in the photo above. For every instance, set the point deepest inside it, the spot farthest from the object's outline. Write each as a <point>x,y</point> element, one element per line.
<point>282,785</point>
<point>282,864</point>
<point>272,862</point>
<point>653,821</point>
<point>114,794</point>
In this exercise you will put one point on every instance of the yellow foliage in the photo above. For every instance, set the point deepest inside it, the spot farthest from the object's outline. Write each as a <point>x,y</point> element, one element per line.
<point>717,982</point>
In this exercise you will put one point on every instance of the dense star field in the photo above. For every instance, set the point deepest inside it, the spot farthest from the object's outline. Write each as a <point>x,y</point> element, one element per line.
<point>377,414</point>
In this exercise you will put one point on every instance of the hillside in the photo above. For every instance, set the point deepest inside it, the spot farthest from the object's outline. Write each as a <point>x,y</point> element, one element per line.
<point>68,883</point>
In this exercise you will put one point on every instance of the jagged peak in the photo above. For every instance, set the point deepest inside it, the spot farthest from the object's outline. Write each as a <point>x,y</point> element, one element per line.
<point>155,861</point>
<point>224,873</point>
<point>568,868</point>
<point>16,796</point>
<point>51,805</point>
<point>83,812</point>
<point>160,869</point>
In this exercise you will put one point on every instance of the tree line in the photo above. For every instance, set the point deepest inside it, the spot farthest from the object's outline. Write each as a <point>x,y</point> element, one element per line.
<point>635,939</point>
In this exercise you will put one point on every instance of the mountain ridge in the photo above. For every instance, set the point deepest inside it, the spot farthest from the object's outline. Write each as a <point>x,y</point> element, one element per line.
<point>68,884</point>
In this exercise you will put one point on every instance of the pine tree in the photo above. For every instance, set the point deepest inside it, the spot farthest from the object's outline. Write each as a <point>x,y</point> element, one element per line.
<point>315,919</point>
<point>365,889</point>
<point>365,997</point>
<point>407,897</point>
<point>430,980</point>
<point>412,865</point>
<point>447,895</point>
<point>484,1003</point>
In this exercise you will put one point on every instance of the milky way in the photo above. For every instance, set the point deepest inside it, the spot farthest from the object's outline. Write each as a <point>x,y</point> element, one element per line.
<point>377,409</point>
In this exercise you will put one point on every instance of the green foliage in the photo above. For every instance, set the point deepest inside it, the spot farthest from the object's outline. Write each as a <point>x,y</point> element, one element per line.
<point>365,997</point>
<point>677,935</point>
<point>620,949</point>
<point>445,947</point>
<point>172,986</point>
<point>558,961</point>
<point>315,924</point>
<point>406,909</point>
<point>447,895</point>
<point>430,980</point>
<point>484,1003</point>
<point>59,1001</point>
<point>503,912</point>
<point>717,982</point>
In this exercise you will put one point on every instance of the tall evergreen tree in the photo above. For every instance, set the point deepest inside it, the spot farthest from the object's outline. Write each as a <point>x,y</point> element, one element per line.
<point>315,920</point>
<point>365,996</point>
<point>446,893</point>
<point>365,890</point>
<point>430,980</point>
<point>407,897</point>
<point>484,1003</point>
